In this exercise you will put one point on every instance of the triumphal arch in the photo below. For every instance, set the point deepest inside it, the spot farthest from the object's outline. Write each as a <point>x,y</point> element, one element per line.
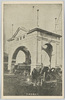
<point>35,43</point>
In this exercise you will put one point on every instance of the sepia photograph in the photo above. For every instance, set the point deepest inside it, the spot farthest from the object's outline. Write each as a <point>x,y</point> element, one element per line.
<point>32,50</point>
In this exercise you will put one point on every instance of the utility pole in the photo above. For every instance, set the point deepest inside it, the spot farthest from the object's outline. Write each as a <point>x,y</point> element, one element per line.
<point>12,29</point>
<point>33,16</point>
<point>41,50</point>
<point>37,17</point>
<point>56,25</point>
<point>56,44</point>
<point>37,32</point>
<point>56,54</point>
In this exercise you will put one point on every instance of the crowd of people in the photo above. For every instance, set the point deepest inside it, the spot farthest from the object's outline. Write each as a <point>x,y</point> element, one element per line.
<point>46,74</point>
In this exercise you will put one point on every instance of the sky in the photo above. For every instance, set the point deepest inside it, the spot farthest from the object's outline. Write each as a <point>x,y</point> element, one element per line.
<point>25,15</point>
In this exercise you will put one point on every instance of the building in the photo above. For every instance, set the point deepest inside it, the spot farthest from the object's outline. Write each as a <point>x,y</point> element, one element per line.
<point>5,62</point>
<point>36,43</point>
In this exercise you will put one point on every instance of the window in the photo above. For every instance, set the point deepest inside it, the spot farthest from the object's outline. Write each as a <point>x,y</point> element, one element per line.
<point>23,36</point>
<point>17,39</point>
<point>20,38</point>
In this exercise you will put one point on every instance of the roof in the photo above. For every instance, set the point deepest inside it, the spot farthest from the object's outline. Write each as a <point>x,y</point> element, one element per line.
<point>14,35</point>
<point>46,32</point>
<point>32,30</point>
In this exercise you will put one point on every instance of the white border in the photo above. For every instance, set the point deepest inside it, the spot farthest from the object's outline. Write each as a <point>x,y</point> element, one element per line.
<point>35,2</point>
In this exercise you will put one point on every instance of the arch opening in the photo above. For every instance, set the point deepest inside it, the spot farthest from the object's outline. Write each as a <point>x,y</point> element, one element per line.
<point>48,49</point>
<point>23,65</point>
<point>20,58</point>
<point>45,59</point>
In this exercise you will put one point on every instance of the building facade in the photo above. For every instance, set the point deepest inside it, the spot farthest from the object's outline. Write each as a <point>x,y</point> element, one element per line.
<point>36,45</point>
